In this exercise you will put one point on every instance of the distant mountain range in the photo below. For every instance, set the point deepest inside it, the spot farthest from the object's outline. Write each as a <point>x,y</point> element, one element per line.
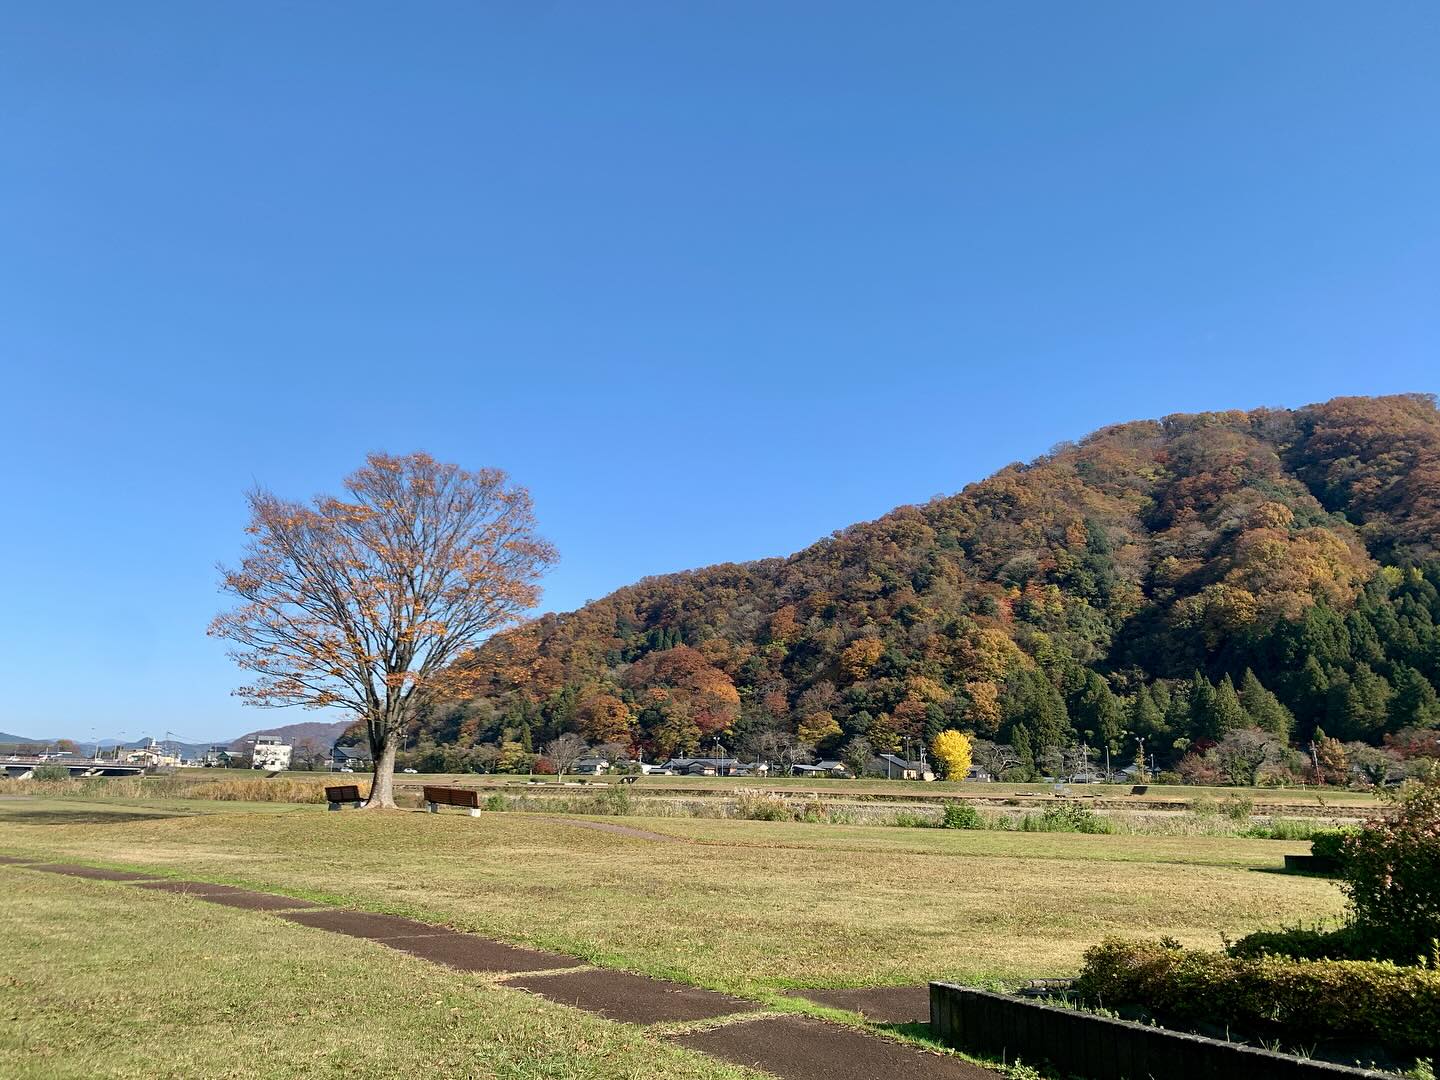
<point>308,737</point>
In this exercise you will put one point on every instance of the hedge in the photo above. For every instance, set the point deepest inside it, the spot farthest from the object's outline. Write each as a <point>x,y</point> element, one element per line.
<point>1330,843</point>
<point>1299,1000</point>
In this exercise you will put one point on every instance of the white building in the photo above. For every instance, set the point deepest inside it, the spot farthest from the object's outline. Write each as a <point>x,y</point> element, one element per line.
<point>152,754</point>
<point>270,753</point>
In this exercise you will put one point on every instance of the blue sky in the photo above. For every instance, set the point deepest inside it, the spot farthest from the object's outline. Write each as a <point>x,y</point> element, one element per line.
<point>713,279</point>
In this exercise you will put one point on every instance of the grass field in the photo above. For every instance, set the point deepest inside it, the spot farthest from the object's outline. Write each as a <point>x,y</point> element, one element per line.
<point>1308,798</point>
<point>104,980</point>
<point>749,907</point>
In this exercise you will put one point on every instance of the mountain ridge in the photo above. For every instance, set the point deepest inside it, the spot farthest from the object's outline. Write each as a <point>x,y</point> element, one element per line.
<point>1063,599</point>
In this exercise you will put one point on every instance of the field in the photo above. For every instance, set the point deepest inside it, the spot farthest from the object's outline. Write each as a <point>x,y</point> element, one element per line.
<point>747,907</point>
<point>1300,798</point>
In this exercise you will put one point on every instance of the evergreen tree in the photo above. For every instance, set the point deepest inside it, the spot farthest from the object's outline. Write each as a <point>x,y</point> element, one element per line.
<point>1024,750</point>
<point>1359,705</point>
<point>1201,721</point>
<point>1264,708</point>
<point>1097,711</point>
<point>1230,715</point>
<point>1414,703</point>
<point>1146,720</point>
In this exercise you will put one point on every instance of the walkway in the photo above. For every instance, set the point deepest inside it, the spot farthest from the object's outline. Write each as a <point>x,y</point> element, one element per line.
<point>743,1032</point>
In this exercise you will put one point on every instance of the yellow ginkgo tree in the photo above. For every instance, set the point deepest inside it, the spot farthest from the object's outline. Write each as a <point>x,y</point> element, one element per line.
<point>951,749</point>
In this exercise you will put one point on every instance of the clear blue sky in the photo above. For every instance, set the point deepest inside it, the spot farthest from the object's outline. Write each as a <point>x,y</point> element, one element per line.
<point>713,279</point>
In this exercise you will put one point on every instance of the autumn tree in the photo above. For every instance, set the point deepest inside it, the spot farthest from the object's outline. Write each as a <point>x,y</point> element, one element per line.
<point>818,727</point>
<point>952,750</point>
<point>604,718</point>
<point>370,601</point>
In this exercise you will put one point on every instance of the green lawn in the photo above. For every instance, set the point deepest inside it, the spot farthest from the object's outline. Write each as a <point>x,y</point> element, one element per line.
<point>106,980</point>
<point>744,906</point>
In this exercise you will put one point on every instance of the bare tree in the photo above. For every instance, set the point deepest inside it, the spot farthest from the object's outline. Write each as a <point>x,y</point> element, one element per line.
<point>994,758</point>
<point>1243,753</point>
<point>565,751</point>
<point>370,603</point>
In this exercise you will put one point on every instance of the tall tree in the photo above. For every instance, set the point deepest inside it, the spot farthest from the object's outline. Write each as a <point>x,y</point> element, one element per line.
<point>1097,712</point>
<point>1264,708</point>
<point>369,602</point>
<point>1229,713</point>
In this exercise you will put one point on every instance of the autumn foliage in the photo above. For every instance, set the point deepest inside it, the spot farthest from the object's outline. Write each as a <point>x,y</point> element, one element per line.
<point>369,602</point>
<point>1173,581</point>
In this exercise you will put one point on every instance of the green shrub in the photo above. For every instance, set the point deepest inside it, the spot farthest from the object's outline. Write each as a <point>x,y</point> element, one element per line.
<point>1331,842</point>
<point>613,800</point>
<point>1302,943</point>
<point>495,803</point>
<point>1392,873</point>
<point>960,815</point>
<point>51,772</point>
<point>1297,1000</point>
<point>1238,808</point>
<point>1071,817</point>
<point>1283,828</point>
<point>907,819</point>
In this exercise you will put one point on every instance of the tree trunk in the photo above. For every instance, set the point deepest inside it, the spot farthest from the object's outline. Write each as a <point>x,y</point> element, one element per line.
<point>382,783</point>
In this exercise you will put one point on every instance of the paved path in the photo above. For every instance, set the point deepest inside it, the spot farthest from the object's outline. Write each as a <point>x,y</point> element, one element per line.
<point>881,1004</point>
<point>790,1047</point>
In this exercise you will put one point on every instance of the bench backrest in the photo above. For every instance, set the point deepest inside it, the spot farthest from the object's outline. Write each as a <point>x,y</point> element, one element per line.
<point>344,793</point>
<point>453,796</point>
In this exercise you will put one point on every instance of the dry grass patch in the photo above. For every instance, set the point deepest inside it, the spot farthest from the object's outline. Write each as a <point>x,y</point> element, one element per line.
<point>105,980</point>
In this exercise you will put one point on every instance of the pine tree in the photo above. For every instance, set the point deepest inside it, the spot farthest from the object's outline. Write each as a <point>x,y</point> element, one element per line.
<point>1097,711</point>
<point>1146,720</point>
<point>1230,715</point>
<point>1201,720</point>
<point>1264,708</point>
<point>1414,703</point>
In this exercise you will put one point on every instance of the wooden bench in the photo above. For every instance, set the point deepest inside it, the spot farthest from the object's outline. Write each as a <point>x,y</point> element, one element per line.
<point>465,798</point>
<point>1139,789</point>
<point>339,796</point>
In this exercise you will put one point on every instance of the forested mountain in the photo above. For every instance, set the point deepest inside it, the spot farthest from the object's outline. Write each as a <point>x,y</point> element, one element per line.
<point>1171,579</point>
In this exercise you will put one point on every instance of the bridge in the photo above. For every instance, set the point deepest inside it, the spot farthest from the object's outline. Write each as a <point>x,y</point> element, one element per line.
<point>22,766</point>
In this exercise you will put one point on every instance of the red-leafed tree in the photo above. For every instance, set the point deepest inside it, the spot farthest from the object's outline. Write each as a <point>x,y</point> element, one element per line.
<point>370,602</point>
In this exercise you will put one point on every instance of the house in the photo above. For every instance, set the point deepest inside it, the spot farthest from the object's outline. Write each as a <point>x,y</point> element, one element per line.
<point>590,766</point>
<point>220,757</point>
<point>270,753</point>
<point>353,758</point>
<point>152,755</point>
<point>711,766</point>
<point>897,768</point>
<point>821,768</point>
<point>976,773</point>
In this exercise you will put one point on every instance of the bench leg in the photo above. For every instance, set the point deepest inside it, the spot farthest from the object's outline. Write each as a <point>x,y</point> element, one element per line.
<point>474,811</point>
<point>434,807</point>
<point>333,806</point>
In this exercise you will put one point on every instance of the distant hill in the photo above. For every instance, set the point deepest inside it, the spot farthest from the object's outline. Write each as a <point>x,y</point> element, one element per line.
<point>6,739</point>
<point>313,738</point>
<point>1176,578</point>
